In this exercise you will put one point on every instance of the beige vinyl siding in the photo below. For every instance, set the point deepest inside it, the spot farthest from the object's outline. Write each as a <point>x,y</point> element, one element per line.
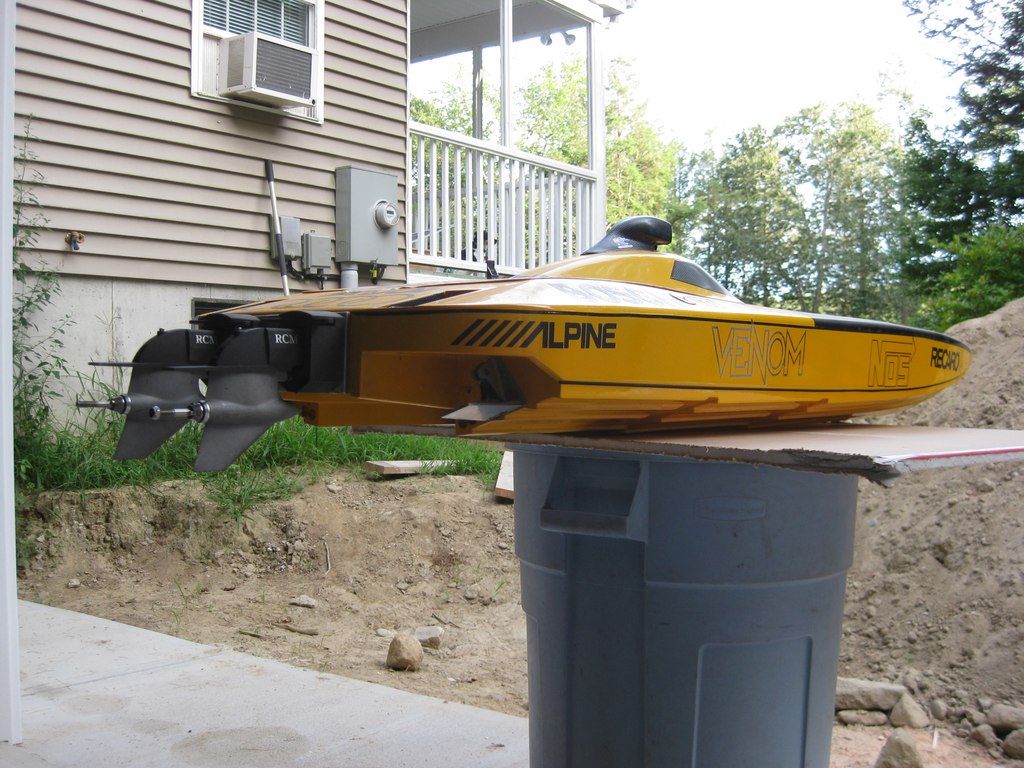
<point>170,187</point>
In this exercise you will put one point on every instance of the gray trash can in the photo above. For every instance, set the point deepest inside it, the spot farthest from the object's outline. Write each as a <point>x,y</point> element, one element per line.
<point>680,613</point>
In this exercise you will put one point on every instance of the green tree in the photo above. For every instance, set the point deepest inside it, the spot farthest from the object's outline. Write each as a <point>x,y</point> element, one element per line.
<point>988,273</point>
<point>552,109</point>
<point>640,163</point>
<point>990,38</point>
<point>749,216</point>
<point>967,186</point>
<point>946,195</point>
<point>847,162</point>
<point>806,215</point>
<point>450,106</point>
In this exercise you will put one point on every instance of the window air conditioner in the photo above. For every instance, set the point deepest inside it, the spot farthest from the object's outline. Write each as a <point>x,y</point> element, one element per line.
<point>265,69</point>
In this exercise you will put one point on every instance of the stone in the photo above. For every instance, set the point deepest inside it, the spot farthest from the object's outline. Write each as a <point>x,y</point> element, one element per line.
<point>303,601</point>
<point>74,583</point>
<point>385,633</point>
<point>908,713</point>
<point>940,711</point>
<point>429,637</point>
<point>852,693</point>
<point>1013,745</point>
<point>1004,718</point>
<point>405,654</point>
<point>899,751</point>
<point>985,735</point>
<point>975,716</point>
<point>862,717</point>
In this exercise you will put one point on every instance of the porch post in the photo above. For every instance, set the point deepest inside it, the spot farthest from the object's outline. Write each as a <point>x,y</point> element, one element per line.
<point>10,682</point>
<point>505,30</point>
<point>597,140</point>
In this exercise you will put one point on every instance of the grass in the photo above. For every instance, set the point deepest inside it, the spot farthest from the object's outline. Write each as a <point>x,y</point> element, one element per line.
<point>80,457</point>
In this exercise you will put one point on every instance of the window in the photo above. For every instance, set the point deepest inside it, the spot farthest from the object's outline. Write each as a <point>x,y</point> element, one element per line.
<point>200,306</point>
<point>285,19</point>
<point>289,35</point>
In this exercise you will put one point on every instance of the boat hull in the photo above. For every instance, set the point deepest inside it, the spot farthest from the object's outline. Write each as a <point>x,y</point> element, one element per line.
<point>631,340</point>
<point>591,369</point>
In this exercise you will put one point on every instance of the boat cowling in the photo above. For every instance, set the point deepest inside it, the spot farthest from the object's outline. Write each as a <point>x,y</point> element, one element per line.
<point>637,233</point>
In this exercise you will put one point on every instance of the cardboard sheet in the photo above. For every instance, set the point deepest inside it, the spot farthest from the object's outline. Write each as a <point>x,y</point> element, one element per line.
<point>880,453</point>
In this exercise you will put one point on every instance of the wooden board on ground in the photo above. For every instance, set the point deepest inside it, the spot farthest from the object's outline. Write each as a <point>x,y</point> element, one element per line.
<point>503,488</point>
<point>404,468</point>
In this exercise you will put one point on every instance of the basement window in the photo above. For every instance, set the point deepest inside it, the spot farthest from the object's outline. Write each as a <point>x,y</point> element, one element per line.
<point>204,305</point>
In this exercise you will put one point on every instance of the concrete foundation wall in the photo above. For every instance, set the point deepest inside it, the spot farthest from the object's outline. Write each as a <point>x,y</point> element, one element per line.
<point>111,318</point>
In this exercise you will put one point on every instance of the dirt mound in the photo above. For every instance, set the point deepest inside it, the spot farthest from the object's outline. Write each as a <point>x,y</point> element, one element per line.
<point>990,395</point>
<point>376,557</point>
<point>937,587</point>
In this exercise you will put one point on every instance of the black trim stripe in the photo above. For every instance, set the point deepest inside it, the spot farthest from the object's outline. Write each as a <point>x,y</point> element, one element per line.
<point>518,336</point>
<point>472,326</point>
<point>509,332</point>
<point>857,325</point>
<point>501,326</point>
<point>487,326</point>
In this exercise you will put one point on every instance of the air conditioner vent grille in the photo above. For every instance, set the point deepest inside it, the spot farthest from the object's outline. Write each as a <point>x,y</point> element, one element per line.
<point>267,70</point>
<point>283,69</point>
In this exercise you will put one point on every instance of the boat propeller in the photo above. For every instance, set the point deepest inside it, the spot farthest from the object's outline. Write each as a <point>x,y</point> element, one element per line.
<point>240,364</point>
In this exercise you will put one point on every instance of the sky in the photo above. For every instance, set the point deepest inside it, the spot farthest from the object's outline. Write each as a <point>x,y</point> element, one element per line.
<point>710,69</point>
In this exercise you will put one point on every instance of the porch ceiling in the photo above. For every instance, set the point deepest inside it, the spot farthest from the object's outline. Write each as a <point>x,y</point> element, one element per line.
<point>443,27</point>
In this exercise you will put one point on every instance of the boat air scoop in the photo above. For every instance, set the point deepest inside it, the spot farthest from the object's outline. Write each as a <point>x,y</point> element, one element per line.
<point>637,233</point>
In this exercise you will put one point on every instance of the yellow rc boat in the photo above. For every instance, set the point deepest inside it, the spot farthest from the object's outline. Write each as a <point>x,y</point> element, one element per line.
<point>622,338</point>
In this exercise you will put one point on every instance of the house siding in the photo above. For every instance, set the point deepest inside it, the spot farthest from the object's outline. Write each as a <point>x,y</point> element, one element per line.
<point>170,187</point>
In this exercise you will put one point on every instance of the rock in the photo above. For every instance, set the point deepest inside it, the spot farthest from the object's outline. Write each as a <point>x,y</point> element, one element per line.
<point>862,717</point>
<point>940,711</point>
<point>852,693</point>
<point>405,653</point>
<point>908,713</point>
<point>429,637</point>
<point>899,751</point>
<point>985,735</point>
<point>303,601</point>
<point>975,716</point>
<point>914,681</point>
<point>385,633</point>
<point>74,583</point>
<point>1013,745</point>
<point>1004,718</point>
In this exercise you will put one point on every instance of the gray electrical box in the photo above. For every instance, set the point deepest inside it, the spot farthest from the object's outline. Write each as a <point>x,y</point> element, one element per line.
<point>291,234</point>
<point>316,251</point>
<point>367,216</point>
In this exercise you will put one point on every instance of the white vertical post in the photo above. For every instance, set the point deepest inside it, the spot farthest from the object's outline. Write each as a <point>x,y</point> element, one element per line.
<point>10,682</point>
<point>598,130</point>
<point>505,32</point>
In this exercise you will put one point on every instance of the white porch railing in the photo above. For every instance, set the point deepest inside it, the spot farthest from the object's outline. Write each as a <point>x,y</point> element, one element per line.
<point>470,201</point>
